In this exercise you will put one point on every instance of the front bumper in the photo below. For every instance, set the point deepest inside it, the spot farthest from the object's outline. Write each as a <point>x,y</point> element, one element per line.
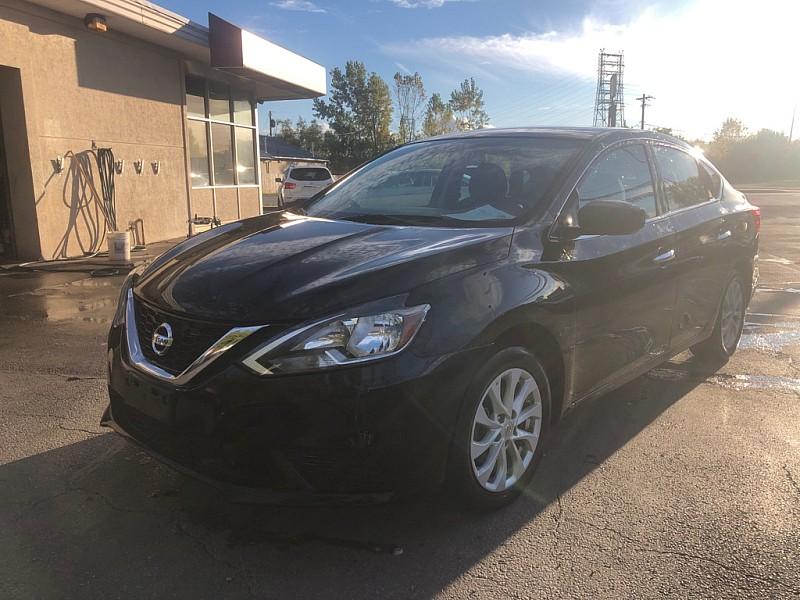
<point>369,431</point>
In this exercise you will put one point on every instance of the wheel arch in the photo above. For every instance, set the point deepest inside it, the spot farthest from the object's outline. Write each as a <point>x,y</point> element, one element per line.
<point>541,342</point>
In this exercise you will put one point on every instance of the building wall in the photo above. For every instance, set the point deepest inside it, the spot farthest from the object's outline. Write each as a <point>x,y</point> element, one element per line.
<point>80,87</point>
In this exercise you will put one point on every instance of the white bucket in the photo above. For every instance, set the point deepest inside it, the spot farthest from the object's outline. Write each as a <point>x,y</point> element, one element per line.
<point>119,246</point>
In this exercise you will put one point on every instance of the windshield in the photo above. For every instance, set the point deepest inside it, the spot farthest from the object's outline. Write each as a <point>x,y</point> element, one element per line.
<point>467,181</point>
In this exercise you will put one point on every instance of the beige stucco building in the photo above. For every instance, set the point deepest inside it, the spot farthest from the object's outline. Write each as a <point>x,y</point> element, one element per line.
<point>174,100</point>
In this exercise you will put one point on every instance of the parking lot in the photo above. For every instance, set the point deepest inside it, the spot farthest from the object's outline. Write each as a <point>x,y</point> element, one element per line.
<point>685,483</point>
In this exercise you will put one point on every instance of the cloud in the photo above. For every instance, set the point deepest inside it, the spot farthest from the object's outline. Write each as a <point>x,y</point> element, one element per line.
<point>298,5</point>
<point>425,3</point>
<point>703,61</point>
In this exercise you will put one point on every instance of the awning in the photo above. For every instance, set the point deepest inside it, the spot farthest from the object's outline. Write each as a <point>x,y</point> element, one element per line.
<point>270,71</point>
<point>279,73</point>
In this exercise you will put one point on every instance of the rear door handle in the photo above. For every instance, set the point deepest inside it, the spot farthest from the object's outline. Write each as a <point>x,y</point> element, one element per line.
<point>665,257</point>
<point>724,235</point>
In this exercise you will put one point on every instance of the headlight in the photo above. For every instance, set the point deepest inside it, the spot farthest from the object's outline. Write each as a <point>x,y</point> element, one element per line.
<point>339,341</point>
<point>130,280</point>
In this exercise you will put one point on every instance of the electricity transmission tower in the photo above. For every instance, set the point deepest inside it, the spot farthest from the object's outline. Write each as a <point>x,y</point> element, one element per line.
<point>609,103</point>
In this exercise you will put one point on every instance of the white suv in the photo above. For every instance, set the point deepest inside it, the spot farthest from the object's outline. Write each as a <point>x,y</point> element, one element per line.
<point>299,183</point>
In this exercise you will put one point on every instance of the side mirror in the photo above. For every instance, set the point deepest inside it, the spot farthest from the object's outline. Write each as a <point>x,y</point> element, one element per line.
<point>278,180</point>
<point>610,217</point>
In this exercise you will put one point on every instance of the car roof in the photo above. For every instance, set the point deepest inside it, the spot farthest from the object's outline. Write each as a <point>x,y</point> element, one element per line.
<point>594,134</point>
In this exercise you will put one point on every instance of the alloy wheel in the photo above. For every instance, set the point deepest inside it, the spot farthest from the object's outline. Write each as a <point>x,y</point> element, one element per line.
<point>505,430</point>
<point>732,315</point>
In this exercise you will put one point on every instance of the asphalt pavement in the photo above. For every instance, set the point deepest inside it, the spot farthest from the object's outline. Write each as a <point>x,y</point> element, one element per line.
<point>684,483</point>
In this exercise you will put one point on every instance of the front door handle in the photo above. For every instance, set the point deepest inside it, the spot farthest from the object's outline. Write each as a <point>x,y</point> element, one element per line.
<point>665,257</point>
<point>724,235</point>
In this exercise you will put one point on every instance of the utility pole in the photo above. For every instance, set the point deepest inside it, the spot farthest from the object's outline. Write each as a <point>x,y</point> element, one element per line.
<point>270,123</point>
<point>791,129</point>
<point>643,99</point>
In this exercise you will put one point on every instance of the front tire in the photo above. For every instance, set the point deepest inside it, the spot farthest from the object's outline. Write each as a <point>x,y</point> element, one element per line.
<point>501,429</point>
<point>724,340</point>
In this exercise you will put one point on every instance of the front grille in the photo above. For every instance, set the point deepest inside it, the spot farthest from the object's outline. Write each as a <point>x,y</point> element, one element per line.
<point>250,458</point>
<point>190,338</point>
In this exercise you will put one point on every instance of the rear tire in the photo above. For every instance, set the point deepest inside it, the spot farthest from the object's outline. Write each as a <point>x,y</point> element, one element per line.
<point>724,340</point>
<point>500,433</point>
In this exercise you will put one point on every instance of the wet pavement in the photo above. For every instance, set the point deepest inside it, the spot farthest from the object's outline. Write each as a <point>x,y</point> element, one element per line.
<point>684,483</point>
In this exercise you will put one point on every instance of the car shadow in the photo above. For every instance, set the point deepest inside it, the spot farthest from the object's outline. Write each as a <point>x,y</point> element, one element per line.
<point>98,518</point>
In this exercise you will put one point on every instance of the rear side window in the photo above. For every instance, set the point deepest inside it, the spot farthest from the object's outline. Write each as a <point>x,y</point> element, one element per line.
<point>683,184</point>
<point>622,174</point>
<point>309,174</point>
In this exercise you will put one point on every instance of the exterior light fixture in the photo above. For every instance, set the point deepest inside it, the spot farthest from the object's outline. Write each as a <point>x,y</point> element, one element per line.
<point>95,22</point>
<point>156,166</point>
<point>119,166</point>
<point>58,164</point>
<point>137,165</point>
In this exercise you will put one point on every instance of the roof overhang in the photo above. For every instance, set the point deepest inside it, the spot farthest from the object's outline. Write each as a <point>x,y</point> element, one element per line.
<point>273,72</point>
<point>279,73</point>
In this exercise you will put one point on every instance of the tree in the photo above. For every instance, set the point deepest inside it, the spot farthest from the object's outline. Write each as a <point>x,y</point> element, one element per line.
<point>438,117</point>
<point>766,156</point>
<point>309,136</point>
<point>732,130</point>
<point>467,104</point>
<point>359,111</point>
<point>409,93</point>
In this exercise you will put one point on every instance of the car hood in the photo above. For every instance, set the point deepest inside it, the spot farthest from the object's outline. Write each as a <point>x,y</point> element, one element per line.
<point>283,267</point>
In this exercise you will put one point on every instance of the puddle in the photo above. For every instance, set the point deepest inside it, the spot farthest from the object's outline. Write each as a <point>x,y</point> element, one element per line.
<point>61,288</point>
<point>788,290</point>
<point>770,337</point>
<point>756,382</point>
<point>777,259</point>
<point>738,383</point>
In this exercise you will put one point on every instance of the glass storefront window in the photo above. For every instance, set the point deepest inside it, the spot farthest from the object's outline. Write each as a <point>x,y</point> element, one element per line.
<point>233,158</point>
<point>222,148</point>
<point>195,97</point>
<point>219,107</point>
<point>245,158</point>
<point>198,153</point>
<point>242,112</point>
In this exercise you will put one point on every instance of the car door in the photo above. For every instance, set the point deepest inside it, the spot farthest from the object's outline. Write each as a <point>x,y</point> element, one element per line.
<point>624,285</point>
<point>703,236</point>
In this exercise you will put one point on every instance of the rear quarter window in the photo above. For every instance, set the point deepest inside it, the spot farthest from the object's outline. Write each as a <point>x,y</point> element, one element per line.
<point>711,179</point>
<point>310,174</point>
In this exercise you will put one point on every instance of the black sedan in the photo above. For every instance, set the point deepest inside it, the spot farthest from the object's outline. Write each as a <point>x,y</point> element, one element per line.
<point>395,332</point>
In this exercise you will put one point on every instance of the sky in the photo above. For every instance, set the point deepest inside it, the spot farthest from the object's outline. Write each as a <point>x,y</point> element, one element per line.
<point>536,60</point>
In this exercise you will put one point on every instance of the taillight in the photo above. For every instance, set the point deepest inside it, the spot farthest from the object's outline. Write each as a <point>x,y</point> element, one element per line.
<point>756,212</point>
<point>289,185</point>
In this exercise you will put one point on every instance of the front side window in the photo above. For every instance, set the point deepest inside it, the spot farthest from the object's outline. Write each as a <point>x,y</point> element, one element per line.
<point>223,120</point>
<point>623,175</point>
<point>683,185</point>
<point>467,181</point>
